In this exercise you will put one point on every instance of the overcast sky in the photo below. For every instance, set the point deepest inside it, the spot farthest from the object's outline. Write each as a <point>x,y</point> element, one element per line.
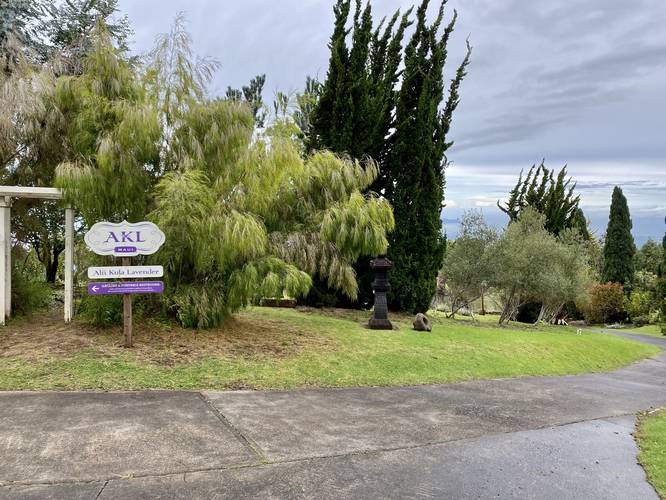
<point>581,82</point>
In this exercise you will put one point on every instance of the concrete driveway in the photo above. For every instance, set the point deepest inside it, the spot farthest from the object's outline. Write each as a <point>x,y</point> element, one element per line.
<point>546,437</point>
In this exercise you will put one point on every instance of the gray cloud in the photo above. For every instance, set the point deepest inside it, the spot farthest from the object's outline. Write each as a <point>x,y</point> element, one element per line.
<point>579,82</point>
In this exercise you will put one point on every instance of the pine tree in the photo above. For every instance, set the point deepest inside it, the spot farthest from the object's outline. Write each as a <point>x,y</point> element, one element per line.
<point>252,94</point>
<point>619,248</point>
<point>417,161</point>
<point>550,196</point>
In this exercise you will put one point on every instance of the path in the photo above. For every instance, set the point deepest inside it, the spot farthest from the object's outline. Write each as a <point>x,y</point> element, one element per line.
<point>546,437</point>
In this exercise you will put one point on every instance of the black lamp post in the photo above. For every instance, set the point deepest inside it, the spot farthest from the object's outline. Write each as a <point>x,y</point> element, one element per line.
<point>381,285</point>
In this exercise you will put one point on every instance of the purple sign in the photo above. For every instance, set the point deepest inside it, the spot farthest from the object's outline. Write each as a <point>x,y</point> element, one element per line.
<point>126,287</point>
<point>127,250</point>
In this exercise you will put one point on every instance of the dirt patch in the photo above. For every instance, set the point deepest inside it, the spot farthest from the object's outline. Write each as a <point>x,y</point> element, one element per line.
<point>246,336</point>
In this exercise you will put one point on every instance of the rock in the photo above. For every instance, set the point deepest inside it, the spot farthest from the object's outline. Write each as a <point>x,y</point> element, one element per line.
<point>422,323</point>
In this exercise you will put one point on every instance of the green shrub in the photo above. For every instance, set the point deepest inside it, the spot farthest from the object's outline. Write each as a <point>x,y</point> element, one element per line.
<point>606,304</point>
<point>28,295</point>
<point>107,310</point>
<point>639,303</point>
<point>102,310</point>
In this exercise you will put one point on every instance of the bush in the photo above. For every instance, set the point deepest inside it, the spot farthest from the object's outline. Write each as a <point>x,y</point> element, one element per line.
<point>606,304</point>
<point>640,321</point>
<point>639,304</point>
<point>103,310</point>
<point>29,296</point>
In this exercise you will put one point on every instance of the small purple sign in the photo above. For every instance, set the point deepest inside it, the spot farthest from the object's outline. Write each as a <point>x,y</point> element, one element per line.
<point>120,250</point>
<point>125,288</point>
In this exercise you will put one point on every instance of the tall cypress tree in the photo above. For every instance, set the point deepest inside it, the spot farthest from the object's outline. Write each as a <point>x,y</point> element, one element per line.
<point>661,286</point>
<point>417,161</point>
<point>370,106</point>
<point>354,114</point>
<point>619,248</point>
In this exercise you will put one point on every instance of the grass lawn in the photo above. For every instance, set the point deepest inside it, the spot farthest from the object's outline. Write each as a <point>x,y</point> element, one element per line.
<point>281,348</point>
<point>651,437</point>
<point>652,330</point>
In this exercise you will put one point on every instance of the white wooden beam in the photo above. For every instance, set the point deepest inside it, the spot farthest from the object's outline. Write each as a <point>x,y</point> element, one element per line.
<point>5,260</point>
<point>69,260</point>
<point>31,192</point>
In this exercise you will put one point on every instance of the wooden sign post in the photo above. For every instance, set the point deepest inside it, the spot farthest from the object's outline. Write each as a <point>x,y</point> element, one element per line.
<point>127,311</point>
<point>125,240</point>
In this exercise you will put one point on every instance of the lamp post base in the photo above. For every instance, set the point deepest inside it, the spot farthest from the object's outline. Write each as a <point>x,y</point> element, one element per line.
<point>380,324</point>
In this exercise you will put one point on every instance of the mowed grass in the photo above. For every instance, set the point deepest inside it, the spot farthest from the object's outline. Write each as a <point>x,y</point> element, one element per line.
<point>278,348</point>
<point>652,330</point>
<point>651,437</point>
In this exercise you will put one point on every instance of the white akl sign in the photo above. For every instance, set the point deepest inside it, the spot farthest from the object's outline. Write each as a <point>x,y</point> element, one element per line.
<point>125,239</point>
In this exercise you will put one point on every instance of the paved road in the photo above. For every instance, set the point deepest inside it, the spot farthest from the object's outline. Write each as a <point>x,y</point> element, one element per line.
<point>546,437</point>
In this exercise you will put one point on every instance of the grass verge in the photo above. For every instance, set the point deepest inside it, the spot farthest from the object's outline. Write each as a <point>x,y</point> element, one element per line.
<point>277,348</point>
<point>652,330</point>
<point>651,437</point>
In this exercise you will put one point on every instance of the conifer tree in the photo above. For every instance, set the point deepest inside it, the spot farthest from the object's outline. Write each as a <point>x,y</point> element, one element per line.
<point>550,196</point>
<point>417,161</point>
<point>359,113</point>
<point>619,248</point>
<point>661,285</point>
<point>252,94</point>
<point>354,110</point>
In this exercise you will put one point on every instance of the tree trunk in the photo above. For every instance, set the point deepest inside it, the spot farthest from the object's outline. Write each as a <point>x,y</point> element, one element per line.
<point>52,266</point>
<point>52,269</point>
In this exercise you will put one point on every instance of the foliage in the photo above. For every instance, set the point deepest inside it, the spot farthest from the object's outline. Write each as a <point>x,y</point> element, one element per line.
<point>619,246</point>
<point>19,29</point>
<point>649,257</point>
<point>381,101</point>
<point>252,94</point>
<point>532,265</point>
<point>550,196</point>
<point>606,303</point>
<point>33,121</point>
<point>28,293</point>
<point>416,161</point>
<point>639,305</point>
<point>250,218</point>
<point>469,263</point>
<point>660,292</point>
<point>114,134</point>
<point>101,311</point>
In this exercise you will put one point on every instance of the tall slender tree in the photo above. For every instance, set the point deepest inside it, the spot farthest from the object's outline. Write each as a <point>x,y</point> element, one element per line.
<point>619,248</point>
<point>417,160</point>
<point>383,101</point>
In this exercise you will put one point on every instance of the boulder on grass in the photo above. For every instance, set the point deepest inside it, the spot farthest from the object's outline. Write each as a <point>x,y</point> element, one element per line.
<point>422,323</point>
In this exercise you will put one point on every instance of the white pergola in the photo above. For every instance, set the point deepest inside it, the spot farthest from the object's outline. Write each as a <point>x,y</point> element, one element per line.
<point>7,195</point>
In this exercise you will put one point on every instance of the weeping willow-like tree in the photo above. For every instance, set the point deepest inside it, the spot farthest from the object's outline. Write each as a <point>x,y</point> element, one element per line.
<point>245,217</point>
<point>114,133</point>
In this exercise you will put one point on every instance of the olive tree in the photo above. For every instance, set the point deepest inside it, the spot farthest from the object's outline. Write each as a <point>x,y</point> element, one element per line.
<point>469,264</point>
<point>532,265</point>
